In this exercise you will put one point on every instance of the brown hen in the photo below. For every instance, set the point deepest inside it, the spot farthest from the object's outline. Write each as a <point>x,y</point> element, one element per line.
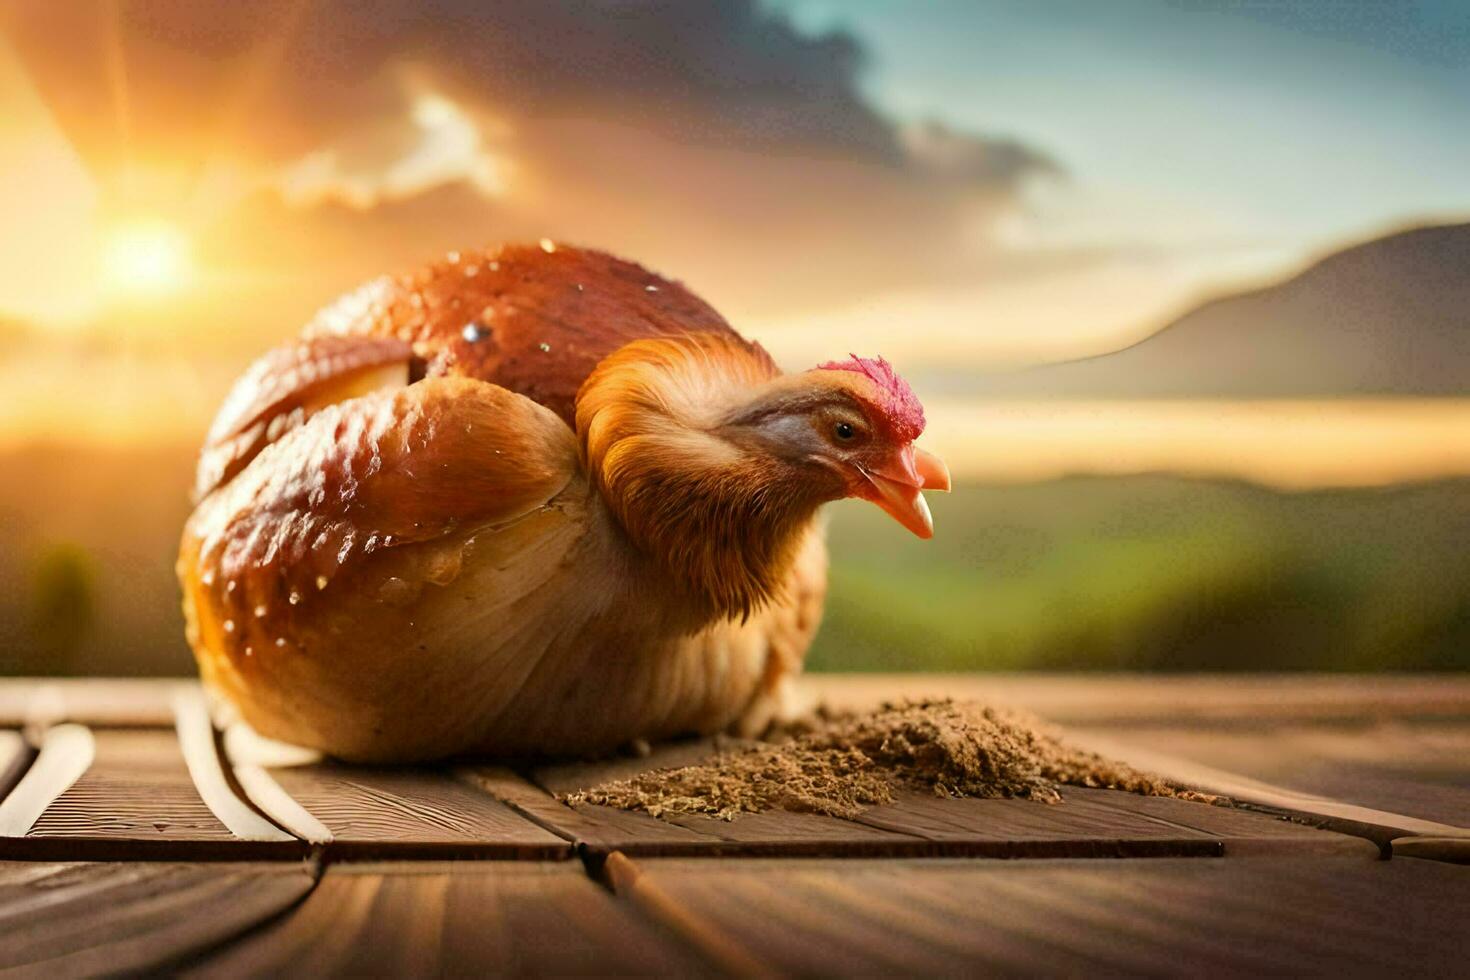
<point>535,501</point>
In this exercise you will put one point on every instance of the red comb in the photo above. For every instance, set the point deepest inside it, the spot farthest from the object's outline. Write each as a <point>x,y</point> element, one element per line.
<point>901,409</point>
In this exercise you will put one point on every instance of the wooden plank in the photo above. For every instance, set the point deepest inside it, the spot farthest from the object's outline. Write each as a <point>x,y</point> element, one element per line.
<point>1419,769</point>
<point>627,880</point>
<point>88,919</point>
<point>413,813</point>
<point>780,832</point>
<point>1089,823</point>
<point>360,812</point>
<point>1107,823</point>
<point>1240,832</point>
<point>1024,828</point>
<point>594,829</point>
<point>1000,819</point>
<point>1379,826</point>
<point>1314,916</point>
<point>456,919</point>
<point>568,777</point>
<point>602,829</point>
<point>137,800</point>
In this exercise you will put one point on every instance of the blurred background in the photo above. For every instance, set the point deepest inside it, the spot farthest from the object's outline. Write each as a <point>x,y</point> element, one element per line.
<point>1181,285</point>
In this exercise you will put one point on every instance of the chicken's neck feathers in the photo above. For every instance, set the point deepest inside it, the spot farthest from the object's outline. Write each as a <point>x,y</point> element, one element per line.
<point>721,520</point>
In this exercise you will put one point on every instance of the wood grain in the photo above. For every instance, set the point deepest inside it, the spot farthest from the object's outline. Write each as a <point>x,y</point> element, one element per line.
<point>1025,828</point>
<point>626,878</point>
<point>459,919</point>
<point>1241,832</point>
<point>1379,826</point>
<point>1089,823</point>
<point>1315,916</point>
<point>600,830</point>
<point>136,801</point>
<point>1106,823</point>
<point>589,827</point>
<point>418,813</point>
<point>1419,769</point>
<point>89,919</point>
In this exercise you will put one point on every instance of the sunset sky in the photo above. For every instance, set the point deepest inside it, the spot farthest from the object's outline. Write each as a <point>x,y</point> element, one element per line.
<point>955,185</point>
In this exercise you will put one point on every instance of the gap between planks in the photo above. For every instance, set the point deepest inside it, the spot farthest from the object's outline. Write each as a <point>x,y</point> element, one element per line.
<point>626,880</point>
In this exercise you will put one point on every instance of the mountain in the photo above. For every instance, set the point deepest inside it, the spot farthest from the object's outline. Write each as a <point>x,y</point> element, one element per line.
<point>1389,316</point>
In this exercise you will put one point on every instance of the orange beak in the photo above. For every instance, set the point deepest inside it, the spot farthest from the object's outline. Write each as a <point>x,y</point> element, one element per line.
<point>898,484</point>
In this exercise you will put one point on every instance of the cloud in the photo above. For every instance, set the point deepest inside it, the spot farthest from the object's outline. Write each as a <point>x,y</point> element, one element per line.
<point>315,142</point>
<point>934,148</point>
<point>450,148</point>
<point>296,74</point>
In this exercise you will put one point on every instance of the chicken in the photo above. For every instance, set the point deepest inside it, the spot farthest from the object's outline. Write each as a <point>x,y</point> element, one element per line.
<point>535,501</point>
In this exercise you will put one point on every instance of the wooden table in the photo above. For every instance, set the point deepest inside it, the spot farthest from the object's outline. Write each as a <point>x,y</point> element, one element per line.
<point>136,838</point>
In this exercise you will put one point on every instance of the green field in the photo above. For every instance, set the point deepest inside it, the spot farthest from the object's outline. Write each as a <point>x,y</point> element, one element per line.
<point>1155,573</point>
<point>1146,573</point>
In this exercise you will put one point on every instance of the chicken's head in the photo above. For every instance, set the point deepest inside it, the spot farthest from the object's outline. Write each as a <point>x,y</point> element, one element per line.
<point>852,425</point>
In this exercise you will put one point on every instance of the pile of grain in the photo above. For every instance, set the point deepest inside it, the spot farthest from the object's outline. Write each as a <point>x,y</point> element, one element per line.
<point>839,766</point>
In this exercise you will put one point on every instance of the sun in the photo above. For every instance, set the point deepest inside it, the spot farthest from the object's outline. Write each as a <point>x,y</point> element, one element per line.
<point>146,257</point>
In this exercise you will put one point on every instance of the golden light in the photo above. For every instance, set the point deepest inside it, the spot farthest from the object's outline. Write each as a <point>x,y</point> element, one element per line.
<point>146,258</point>
<point>48,199</point>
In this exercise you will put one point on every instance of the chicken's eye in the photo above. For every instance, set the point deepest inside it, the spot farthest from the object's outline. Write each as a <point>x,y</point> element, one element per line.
<point>845,431</point>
